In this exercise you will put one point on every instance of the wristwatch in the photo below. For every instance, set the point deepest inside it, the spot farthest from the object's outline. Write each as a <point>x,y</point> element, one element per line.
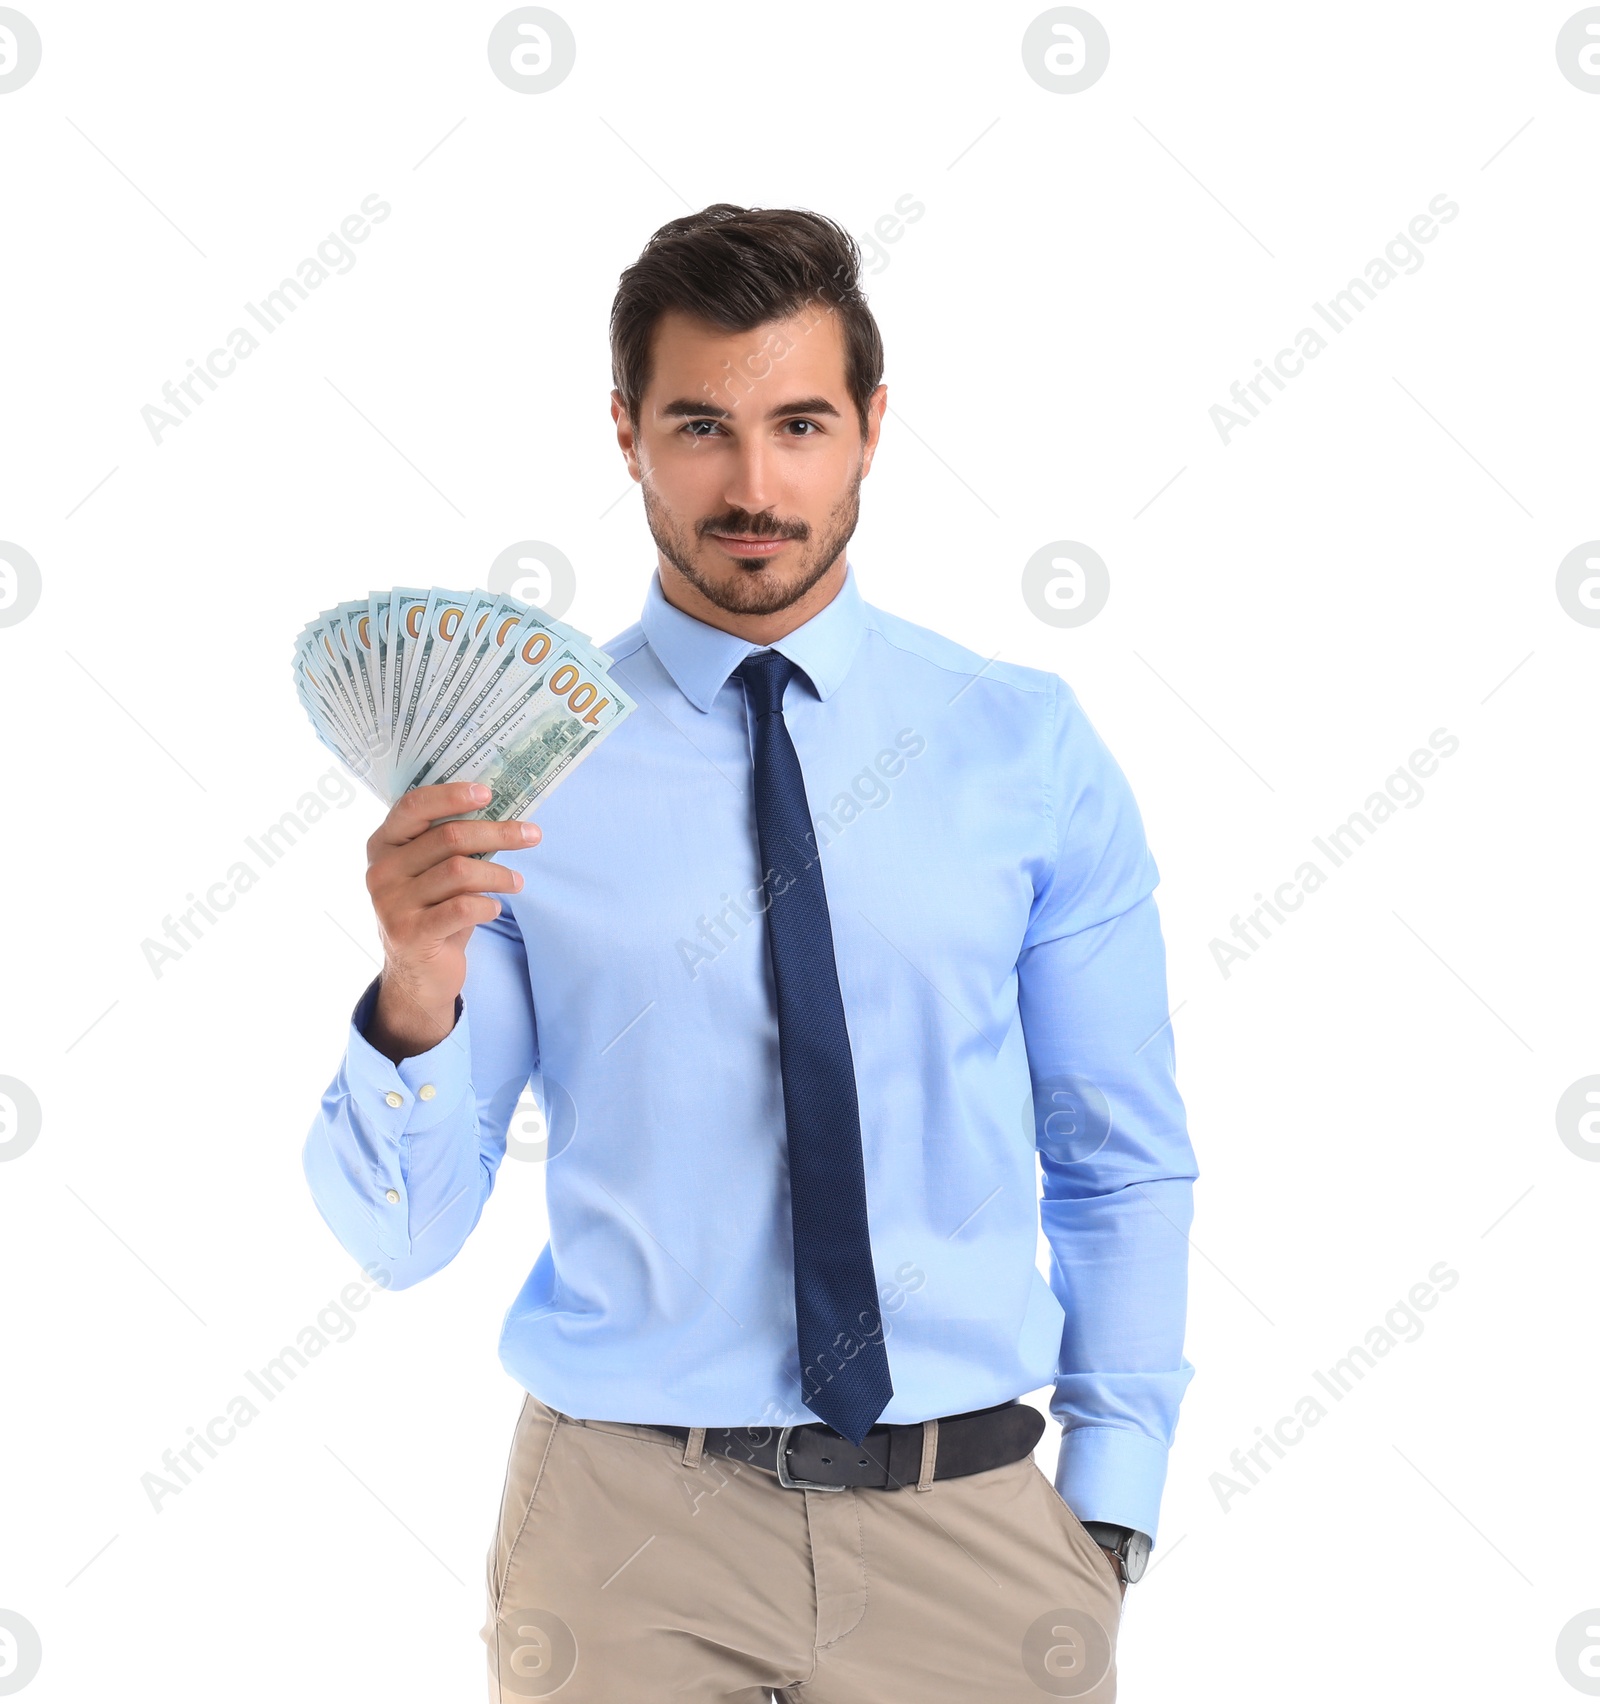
<point>1131,1548</point>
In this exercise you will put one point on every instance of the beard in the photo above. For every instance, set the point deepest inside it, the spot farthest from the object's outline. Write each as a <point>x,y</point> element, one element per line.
<point>761,588</point>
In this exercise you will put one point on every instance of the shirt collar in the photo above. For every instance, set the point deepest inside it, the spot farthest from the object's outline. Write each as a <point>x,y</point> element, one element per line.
<point>700,657</point>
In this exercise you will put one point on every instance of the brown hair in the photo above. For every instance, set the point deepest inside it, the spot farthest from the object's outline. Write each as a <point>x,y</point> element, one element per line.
<point>739,268</point>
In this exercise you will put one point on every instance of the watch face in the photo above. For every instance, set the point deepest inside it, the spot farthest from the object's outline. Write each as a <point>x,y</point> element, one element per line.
<point>1136,1555</point>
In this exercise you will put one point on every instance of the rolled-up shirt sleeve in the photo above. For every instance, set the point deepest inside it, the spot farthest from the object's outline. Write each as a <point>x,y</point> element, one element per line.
<point>1118,1169</point>
<point>401,1158</point>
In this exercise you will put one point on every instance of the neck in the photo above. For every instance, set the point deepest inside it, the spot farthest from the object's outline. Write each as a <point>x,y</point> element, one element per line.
<point>758,629</point>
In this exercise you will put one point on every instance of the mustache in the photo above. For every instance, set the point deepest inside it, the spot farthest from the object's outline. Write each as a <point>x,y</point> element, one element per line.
<point>754,526</point>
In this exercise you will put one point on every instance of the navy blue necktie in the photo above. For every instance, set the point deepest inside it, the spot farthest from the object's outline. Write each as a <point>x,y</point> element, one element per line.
<point>844,1365</point>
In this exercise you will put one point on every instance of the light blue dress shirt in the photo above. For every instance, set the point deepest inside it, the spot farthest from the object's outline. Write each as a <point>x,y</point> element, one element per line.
<point>1004,983</point>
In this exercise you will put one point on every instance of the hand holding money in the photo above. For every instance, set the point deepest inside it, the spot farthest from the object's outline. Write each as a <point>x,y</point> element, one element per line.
<point>425,695</point>
<point>429,894</point>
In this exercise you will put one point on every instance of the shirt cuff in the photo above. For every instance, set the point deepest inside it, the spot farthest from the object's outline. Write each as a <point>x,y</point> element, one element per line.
<point>420,1092</point>
<point>1113,1474</point>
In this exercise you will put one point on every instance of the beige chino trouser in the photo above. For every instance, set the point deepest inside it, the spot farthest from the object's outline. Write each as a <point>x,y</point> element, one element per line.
<point>628,1567</point>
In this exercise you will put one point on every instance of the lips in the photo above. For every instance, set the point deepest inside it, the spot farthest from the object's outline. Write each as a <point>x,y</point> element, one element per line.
<point>744,545</point>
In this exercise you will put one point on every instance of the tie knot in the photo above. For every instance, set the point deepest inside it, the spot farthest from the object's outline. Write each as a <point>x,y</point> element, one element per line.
<point>765,675</point>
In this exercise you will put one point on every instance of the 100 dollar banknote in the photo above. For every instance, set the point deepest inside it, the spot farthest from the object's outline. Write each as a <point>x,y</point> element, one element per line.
<point>418,686</point>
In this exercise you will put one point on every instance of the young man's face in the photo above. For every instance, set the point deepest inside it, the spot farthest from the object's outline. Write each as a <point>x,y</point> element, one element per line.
<point>751,456</point>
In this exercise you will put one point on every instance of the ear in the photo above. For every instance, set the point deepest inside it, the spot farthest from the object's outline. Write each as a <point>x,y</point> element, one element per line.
<point>876,404</point>
<point>626,439</point>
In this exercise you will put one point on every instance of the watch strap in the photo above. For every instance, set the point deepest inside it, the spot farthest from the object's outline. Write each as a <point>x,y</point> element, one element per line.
<point>1117,1541</point>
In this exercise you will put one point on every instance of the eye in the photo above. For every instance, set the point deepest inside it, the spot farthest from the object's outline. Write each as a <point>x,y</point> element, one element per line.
<point>688,427</point>
<point>815,428</point>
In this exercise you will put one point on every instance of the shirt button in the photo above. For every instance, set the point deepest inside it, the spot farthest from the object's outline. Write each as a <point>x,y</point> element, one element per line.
<point>394,1099</point>
<point>426,1092</point>
<point>391,1195</point>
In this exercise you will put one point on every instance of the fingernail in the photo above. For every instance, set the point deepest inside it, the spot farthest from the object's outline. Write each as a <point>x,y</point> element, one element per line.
<point>479,792</point>
<point>530,831</point>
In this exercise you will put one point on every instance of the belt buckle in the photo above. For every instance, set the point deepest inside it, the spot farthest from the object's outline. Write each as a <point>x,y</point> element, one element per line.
<point>786,1478</point>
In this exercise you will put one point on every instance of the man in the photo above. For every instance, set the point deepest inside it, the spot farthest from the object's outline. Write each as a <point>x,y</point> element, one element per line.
<point>836,934</point>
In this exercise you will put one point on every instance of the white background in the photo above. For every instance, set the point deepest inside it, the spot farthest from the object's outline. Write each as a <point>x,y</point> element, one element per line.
<point>1373,1092</point>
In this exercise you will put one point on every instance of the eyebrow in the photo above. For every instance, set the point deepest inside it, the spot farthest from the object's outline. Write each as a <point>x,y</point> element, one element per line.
<point>683,408</point>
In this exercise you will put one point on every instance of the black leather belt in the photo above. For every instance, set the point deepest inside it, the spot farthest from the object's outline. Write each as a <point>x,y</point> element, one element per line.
<point>814,1457</point>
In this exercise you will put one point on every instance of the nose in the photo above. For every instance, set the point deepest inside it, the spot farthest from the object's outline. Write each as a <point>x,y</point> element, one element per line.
<point>751,483</point>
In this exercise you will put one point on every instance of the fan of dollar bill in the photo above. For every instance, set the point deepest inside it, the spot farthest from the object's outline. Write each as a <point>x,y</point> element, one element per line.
<point>410,687</point>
